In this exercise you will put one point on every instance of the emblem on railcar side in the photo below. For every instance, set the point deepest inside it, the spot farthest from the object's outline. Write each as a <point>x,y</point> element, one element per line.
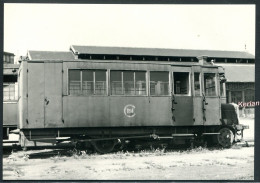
<point>129,110</point>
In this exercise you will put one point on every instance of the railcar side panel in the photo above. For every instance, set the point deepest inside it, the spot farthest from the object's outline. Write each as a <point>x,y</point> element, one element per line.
<point>116,111</point>
<point>183,111</point>
<point>86,111</point>
<point>160,111</point>
<point>140,111</point>
<point>10,113</point>
<point>35,95</point>
<point>126,111</point>
<point>212,112</point>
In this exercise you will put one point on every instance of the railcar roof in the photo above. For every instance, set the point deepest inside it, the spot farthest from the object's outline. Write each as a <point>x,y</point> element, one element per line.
<point>50,55</point>
<point>237,72</point>
<point>159,52</point>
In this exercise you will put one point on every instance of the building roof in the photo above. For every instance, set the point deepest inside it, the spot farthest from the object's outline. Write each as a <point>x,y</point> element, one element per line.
<point>8,53</point>
<point>159,52</point>
<point>50,55</point>
<point>239,72</point>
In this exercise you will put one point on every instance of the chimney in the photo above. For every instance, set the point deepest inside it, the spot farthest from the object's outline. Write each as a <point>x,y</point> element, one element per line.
<point>202,59</point>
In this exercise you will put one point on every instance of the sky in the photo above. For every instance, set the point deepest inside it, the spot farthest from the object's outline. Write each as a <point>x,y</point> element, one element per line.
<point>54,27</point>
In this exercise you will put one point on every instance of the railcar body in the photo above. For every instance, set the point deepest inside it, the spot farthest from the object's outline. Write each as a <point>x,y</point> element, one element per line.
<point>10,98</point>
<point>101,101</point>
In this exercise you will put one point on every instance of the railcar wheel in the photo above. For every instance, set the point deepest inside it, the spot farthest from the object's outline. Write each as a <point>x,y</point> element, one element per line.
<point>104,146</point>
<point>226,137</point>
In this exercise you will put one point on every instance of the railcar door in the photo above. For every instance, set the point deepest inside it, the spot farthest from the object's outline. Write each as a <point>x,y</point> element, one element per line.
<point>211,98</point>
<point>197,95</point>
<point>53,94</point>
<point>182,103</point>
<point>35,96</point>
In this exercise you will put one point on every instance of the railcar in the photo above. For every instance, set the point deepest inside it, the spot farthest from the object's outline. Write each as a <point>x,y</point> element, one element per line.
<point>10,98</point>
<point>104,102</point>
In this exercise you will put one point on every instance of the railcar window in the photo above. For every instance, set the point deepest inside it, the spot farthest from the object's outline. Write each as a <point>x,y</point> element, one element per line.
<point>197,83</point>
<point>159,83</point>
<point>128,83</point>
<point>140,83</point>
<point>87,82</point>
<point>10,88</point>
<point>100,82</point>
<point>116,83</point>
<point>210,84</point>
<point>10,91</point>
<point>181,82</point>
<point>222,91</point>
<point>74,82</point>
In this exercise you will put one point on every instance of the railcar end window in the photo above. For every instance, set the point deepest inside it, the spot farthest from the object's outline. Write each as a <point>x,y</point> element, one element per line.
<point>222,91</point>
<point>128,82</point>
<point>87,82</point>
<point>197,83</point>
<point>210,84</point>
<point>181,83</point>
<point>159,83</point>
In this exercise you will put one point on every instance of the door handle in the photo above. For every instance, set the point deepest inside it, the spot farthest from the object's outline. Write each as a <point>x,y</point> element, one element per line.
<point>46,101</point>
<point>172,108</point>
<point>204,99</point>
<point>173,99</point>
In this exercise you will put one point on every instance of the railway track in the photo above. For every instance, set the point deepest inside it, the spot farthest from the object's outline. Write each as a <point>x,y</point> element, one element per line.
<point>43,152</point>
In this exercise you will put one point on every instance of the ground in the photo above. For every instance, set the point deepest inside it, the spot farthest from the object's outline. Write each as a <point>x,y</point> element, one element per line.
<point>236,163</point>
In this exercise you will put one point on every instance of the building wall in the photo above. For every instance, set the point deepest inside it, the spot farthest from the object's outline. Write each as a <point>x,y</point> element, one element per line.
<point>241,92</point>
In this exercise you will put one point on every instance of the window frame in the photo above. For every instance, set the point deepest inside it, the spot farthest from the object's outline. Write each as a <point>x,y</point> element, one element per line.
<point>16,90</point>
<point>189,84</point>
<point>94,82</point>
<point>199,83</point>
<point>216,84</point>
<point>169,84</point>
<point>122,83</point>
<point>224,89</point>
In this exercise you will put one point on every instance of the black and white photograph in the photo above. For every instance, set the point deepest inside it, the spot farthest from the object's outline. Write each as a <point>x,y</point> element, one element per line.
<point>129,92</point>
